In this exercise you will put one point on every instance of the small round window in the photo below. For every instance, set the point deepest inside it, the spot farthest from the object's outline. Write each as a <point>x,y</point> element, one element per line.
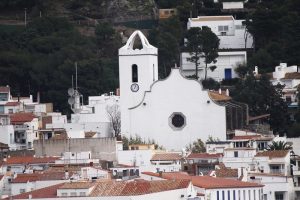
<point>177,121</point>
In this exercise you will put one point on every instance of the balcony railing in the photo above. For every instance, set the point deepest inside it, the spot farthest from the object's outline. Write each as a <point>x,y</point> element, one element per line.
<point>276,171</point>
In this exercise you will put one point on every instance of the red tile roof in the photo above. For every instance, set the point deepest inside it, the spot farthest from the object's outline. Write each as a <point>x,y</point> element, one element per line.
<point>206,182</point>
<point>292,75</point>
<point>259,117</point>
<point>4,89</point>
<point>77,185</point>
<point>22,160</point>
<point>24,178</point>
<point>218,97</point>
<point>13,103</point>
<point>19,118</point>
<point>204,155</point>
<point>273,154</point>
<point>47,192</point>
<point>139,187</point>
<point>226,172</point>
<point>245,137</point>
<point>166,156</point>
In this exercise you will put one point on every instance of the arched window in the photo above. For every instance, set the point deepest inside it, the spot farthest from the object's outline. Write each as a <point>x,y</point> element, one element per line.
<point>134,73</point>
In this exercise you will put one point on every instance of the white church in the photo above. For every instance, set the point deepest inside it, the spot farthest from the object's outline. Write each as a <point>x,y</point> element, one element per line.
<point>174,111</point>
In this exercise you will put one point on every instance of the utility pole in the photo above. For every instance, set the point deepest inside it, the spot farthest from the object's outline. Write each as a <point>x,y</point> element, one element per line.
<point>25,15</point>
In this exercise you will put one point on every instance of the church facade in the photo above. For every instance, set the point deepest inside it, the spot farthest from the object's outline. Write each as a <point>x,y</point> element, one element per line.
<point>174,111</point>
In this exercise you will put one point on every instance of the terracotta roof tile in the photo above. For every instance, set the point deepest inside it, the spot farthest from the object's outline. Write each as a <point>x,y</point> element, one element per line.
<point>273,154</point>
<point>226,172</point>
<point>292,75</point>
<point>245,137</point>
<point>24,178</point>
<point>206,182</point>
<point>213,18</point>
<point>30,160</point>
<point>21,118</point>
<point>166,156</point>
<point>259,117</point>
<point>218,97</point>
<point>12,103</point>
<point>77,185</point>
<point>4,89</point>
<point>47,192</point>
<point>89,134</point>
<point>204,155</point>
<point>139,187</point>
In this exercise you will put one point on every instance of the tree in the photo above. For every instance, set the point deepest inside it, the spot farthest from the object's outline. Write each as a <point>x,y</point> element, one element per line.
<point>138,140</point>
<point>202,43</point>
<point>197,147</point>
<point>212,139</point>
<point>114,114</point>
<point>262,97</point>
<point>279,145</point>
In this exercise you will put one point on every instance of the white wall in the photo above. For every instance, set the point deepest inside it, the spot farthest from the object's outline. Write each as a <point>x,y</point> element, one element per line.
<point>150,119</point>
<point>226,60</point>
<point>140,157</point>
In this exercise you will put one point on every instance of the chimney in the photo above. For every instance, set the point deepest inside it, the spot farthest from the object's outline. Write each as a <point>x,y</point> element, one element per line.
<point>118,92</point>
<point>38,98</point>
<point>227,92</point>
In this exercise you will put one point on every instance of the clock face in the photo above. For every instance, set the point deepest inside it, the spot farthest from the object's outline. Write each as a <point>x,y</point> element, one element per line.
<point>134,87</point>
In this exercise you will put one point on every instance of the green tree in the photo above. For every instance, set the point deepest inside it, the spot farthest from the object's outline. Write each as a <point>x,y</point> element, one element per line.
<point>196,147</point>
<point>279,145</point>
<point>202,43</point>
<point>262,97</point>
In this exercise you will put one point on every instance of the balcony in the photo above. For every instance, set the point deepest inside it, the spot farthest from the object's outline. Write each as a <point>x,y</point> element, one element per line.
<point>277,171</point>
<point>21,127</point>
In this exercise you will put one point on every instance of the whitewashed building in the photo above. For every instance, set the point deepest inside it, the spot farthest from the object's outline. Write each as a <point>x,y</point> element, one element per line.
<point>156,109</point>
<point>289,77</point>
<point>234,40</point>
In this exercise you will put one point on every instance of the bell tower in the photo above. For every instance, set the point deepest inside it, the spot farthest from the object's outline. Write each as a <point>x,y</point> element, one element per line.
<point>137,71</point>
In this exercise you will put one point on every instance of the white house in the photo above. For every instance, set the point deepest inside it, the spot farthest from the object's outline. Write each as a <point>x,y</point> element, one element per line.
<point>289,77</point>
<point>93,117</point>
<point>121,190</point>
<point>214,188</point>
<point>231,32</point>
<point>174,112</point>
<point>234,39</point>
<point>226,64</point>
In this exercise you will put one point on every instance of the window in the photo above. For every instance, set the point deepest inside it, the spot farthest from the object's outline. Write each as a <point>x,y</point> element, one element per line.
<point>222,28</point>
<point>244,194</point>
<point>249,194</point>
<point>82,194</point>
<point>279,196</point>
<point>73,194</point>
<point>177,121</point>
<point>288,99</point>
<point>64,194</point>
<point>254,193</point>
<point>223,195</point>
<point>134,73</point>
<point>10,111</point>
<point>218,195</point>
<point>236,154</point>
<point>22,190</point>
<point>233,194</point>
<point>228,193</point>
<point>239,195</point>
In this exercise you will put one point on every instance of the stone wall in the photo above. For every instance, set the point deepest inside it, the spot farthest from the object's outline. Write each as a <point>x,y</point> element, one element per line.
<point>101,148</point>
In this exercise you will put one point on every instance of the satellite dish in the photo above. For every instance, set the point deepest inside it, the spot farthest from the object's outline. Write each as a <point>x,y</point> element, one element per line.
<point>71,100</point>
<point>71,91</point>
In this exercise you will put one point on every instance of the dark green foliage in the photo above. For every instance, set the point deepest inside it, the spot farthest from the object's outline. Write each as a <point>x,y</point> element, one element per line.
<point>198,146</point>
<point>279,145</point>
<point>167,37</point>
<point>275,26</point>
<point>202,43</point>
<point>263,98</point>
<point>41,59</point>
<point>210,84</point>
<point>138,140</point>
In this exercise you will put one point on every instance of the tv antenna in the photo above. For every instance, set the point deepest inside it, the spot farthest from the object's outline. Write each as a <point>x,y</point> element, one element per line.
<point>75,98</point>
